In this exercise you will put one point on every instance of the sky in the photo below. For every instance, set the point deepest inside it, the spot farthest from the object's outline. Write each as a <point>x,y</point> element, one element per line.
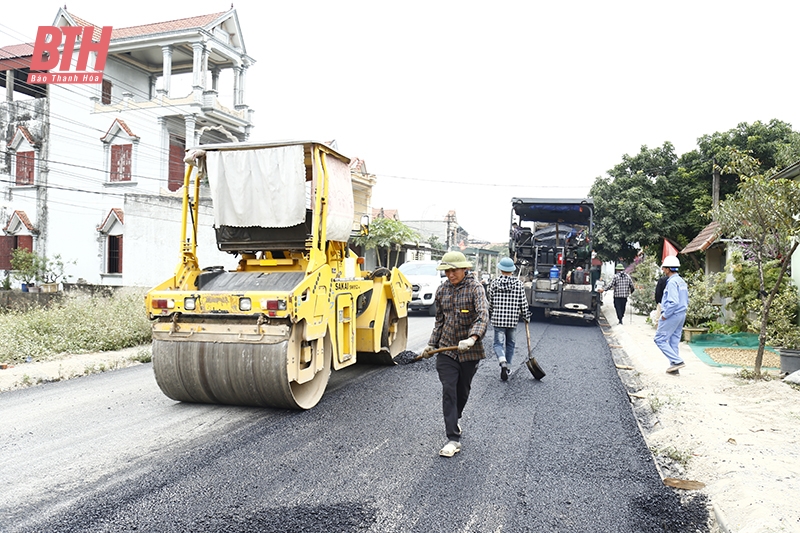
<point>464,105</point>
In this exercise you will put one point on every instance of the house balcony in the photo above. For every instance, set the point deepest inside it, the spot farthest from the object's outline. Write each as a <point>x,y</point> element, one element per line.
<point>205,105</point>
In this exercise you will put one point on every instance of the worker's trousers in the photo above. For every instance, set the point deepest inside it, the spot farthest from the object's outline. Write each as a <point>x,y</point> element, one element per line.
<point>619,306</point>
<point>456,381</point>
<point>668,336</point>
<point>505,342</point>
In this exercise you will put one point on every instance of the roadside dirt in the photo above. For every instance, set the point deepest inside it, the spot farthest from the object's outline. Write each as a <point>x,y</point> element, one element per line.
<point>68,366</point>
<point>740,438</point>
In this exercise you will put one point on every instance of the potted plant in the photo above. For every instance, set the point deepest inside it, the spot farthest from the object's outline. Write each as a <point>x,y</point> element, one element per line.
<point>702,310</point>
<point>783,331</point>
<point>25,266</point>
<point>51,273</point>
<point>789,351</point>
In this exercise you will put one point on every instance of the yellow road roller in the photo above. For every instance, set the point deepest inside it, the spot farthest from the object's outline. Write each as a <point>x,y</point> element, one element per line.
<point>298,304</point>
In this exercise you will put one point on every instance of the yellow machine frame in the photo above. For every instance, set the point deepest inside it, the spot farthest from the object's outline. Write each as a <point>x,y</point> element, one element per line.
<point>326,319</point>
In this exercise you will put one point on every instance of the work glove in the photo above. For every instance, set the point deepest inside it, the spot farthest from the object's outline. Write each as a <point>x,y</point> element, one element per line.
<point>428,351</point>
<point>466,344</point>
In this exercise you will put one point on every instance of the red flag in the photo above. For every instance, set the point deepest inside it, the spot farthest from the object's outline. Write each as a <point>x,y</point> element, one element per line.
<point>668,250</point>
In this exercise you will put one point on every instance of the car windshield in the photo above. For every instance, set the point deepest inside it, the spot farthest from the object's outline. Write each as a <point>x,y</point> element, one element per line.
<point>419,269</point>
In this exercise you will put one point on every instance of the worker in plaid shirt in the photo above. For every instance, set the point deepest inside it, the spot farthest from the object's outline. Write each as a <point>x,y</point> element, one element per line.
<point>623,287</point>
<point>462,317</point>
<point>507,304</point>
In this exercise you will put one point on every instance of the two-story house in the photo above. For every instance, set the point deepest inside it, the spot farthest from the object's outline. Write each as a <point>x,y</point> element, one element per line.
<point>90,172</point>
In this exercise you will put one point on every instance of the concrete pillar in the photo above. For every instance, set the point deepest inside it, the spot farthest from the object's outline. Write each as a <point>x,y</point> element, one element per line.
<point>243,76</point>
<point>215,79</point>
<point>190,121</point>
<point>167,71</point>
<point>197,66</point>
<point>163,170</point>
<point>237,71</point>
<point>10,85</point>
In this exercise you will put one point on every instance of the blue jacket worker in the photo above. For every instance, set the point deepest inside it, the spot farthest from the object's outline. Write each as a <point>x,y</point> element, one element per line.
<point>674,304</point>
<point>507,304</point>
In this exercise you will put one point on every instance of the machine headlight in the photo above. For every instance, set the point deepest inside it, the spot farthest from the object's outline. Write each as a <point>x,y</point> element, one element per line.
<point>189,304</point>
<point>245,304</point>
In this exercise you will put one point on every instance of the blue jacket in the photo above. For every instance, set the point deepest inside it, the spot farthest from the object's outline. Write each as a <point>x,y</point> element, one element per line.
<point>676,297</point>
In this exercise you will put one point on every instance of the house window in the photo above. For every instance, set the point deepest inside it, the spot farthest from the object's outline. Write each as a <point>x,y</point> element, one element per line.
<point>121,162</point>
<point>25,162</point>
<point>106,94</point>
<point>114,254</point>
<point>177,147</point>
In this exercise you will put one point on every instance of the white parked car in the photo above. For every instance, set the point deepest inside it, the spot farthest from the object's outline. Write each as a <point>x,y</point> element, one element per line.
<point>425,279</point>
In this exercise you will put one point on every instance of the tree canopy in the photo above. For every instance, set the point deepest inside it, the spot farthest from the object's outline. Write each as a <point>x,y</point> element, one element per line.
<point>656,194</point>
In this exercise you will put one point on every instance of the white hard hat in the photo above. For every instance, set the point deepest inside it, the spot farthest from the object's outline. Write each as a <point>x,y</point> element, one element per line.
<point>671,261</point>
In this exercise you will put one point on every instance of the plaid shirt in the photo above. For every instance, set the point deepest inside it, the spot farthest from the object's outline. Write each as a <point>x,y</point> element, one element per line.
<point>507,302</point>
<point>622,285</point>
<point>461,311</point>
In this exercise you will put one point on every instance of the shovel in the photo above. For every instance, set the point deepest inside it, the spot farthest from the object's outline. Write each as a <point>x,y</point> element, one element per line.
<point>531,363</point>
<point>437,350</point>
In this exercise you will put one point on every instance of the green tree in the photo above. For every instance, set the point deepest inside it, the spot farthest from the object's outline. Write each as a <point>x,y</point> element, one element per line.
<point>387,234</point>
<point>629,212</point>
<point>435,243</point>
<point>762,216</point>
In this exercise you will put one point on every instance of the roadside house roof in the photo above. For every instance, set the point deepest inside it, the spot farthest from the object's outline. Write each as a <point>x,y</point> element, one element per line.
<point>704,239</point>
<point>17,221</point>
<point>155,28</point>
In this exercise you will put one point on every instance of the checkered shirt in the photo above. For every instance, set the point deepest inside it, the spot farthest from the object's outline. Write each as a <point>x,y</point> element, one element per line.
<point>507,302</point>
<point>622,285</point>
<point>461,311</point>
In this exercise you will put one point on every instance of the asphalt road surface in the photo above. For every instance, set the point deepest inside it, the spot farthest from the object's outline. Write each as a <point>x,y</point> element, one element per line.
<point>109,452</point>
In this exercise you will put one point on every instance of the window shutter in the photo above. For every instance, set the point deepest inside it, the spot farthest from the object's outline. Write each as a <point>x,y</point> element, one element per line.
<point>121,162</point>
<point>25,162</point>
<point>25,241</point>
<point>6,248</point>
<point>176,165</point>
<point>106,96</point>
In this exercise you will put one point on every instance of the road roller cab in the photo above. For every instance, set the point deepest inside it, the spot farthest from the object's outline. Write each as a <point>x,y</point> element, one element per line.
<point>297,305</point>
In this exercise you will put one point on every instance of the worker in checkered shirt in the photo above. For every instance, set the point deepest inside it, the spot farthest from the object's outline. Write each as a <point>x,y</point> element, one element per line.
<point>507,304</point>
<point>462,318</point>
<point>623,287</point>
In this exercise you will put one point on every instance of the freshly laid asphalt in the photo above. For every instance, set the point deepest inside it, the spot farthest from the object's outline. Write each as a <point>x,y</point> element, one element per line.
<point>564,454</point>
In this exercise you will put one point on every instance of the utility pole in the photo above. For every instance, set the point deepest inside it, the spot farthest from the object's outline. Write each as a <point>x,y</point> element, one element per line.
<point>715,185</point>
<point>450,235</point>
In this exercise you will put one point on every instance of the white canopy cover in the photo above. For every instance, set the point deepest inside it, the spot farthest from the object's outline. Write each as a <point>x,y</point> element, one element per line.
<point>266,187</point>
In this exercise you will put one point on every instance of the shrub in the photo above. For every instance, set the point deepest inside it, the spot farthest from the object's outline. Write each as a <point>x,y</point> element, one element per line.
<point>745,304</point>
<point>79,323</point>
<point>702,289</point>
<point>645,275</point>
